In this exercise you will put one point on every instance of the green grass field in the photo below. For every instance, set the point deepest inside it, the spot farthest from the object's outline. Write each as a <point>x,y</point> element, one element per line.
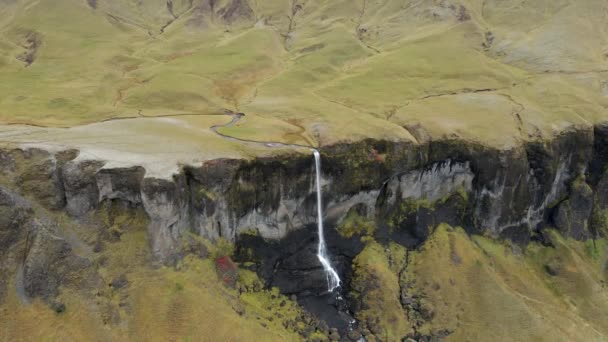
<point>314,72</point>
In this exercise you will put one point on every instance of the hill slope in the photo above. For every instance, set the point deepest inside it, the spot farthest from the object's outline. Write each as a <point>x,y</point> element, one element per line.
<point>311,72</point>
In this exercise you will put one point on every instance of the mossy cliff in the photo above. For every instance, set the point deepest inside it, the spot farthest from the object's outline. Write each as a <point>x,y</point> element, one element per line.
<point>70,225</point>
<point>504,192</point>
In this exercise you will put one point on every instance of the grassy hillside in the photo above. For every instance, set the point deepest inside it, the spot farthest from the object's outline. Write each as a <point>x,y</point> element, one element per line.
<point>477,285</point>
<point>326,71</point>
<point>152,302</point>
<point>468,288</point>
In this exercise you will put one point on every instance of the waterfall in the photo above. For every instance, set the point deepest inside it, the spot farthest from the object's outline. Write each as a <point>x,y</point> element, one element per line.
<point>333,280</point>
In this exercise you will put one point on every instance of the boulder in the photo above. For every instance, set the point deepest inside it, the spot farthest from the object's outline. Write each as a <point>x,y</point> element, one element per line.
<point>553,267</point>
<point>119,282</point>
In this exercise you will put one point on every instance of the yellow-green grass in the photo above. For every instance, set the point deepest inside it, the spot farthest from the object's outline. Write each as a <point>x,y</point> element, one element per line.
<point>258,128</point>
<point>355,225</point>
<point>533,36</point>
<point>482,289</point>
<point>494,121</point>
<point>159,303</point>
<point>71,79</point>
<point>347,70</point>
<point>376,284</point>
<point>421,68</point>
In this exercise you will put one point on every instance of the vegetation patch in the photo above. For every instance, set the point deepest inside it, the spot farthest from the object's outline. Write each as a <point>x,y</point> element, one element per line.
<point>478,286</point>
<point>376,291</point>
<point>355,224</point>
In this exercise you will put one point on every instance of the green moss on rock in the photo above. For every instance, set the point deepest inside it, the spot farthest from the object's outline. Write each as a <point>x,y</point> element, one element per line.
<point>355,224</point>
<point>376,291</point>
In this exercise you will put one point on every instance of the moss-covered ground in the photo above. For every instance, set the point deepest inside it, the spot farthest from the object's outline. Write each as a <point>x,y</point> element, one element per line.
<point>187,301</point>
<point>477,288</point>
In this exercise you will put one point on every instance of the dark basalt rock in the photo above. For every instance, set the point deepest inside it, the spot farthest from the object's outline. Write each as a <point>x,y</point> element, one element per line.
<point>599,215</point>
<point>48,260</point>
<point>553,267</point>
<point>366,165</point>
<point>50,263</point>
<point>15,212</point>
<point>39,178</point>
<point>121,183</point>
<point>514,194</point>
<point>81,190</point>
<point>119,282</point>
<point>597,166</point>
<point>572,215</point>
<point>2,287</point>
<point>209,12</point>
<point>292,264</point>
<point>518,233</point>
<point>601,192</point>
<point>167,205</point>
<point>509,193</point>
<point>236,10</point>
<point>57,307</point>
<point>196,247</point>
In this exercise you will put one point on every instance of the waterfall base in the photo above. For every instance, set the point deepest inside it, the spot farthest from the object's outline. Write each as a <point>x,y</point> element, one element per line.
<point>331,308</point>
<point>293,267</point>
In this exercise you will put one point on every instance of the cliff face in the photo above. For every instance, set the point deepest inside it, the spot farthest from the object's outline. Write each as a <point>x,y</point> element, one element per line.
<point>405,189</point>
<point>392,193</point>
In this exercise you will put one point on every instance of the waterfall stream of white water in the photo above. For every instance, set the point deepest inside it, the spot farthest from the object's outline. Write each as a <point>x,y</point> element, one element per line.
<point>333,279</point>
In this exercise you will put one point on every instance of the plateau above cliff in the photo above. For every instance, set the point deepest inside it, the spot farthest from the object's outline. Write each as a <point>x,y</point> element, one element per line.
<point>310,72</point>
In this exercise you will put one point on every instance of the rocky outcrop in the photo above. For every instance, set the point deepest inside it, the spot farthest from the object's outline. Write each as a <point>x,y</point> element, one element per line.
<point>210,12</point>
<point>599,216</point>
<point>572,215</point>
<point>167,205</point>
<point>123,184</point>
<point>81,191</point>
<point>431,183</point>
<point>44,258</point>
<point>14,214</point>
<point>50,263</point>
<point>35,175</point>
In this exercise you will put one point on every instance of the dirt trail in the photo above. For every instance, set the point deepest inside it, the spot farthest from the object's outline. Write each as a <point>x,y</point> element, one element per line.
<point>236,117</point>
